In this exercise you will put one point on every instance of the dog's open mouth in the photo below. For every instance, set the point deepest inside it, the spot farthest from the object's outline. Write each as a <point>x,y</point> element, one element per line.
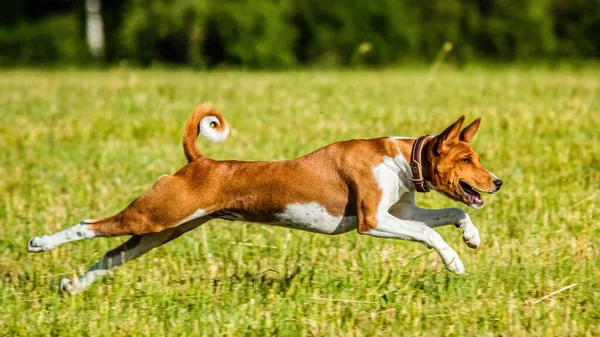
<point>473,197</point>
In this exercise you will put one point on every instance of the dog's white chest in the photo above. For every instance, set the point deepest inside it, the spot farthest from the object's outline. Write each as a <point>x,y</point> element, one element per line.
<point>313,217</point>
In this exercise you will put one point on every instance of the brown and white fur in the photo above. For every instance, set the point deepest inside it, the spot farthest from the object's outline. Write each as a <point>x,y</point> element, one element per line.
<point>362,184</point>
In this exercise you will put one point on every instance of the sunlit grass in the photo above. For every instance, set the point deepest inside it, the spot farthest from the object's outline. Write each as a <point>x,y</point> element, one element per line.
<point>80,144</point>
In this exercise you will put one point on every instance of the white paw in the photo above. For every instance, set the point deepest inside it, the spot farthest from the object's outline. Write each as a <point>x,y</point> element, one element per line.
<point>470,234</point>
<point>69,286</point>
<point>452,261</point>
<point>471,237</point>
<point>39,244</point>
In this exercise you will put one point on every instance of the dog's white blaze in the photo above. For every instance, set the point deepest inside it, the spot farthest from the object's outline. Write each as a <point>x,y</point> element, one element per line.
<point>196,215</point>
<point>212,134</point>
<point>493,175</point>
<point>313,217</point>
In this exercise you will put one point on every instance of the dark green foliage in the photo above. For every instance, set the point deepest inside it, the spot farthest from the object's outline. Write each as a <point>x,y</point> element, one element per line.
<point>55,39</point>
<point>371,32</point>
<point>260,35</point>
<point>285,33</point>
<point>577,27</point>
<point>161,31</point>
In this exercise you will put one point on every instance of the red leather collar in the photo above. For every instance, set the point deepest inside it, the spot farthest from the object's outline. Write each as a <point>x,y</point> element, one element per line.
<point>415,164</point>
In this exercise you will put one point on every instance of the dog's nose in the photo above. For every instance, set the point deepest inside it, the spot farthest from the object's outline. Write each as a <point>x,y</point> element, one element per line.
<point>498,183</point>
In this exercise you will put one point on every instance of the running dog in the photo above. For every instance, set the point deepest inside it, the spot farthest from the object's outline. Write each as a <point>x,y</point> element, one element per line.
<point>367,185</point>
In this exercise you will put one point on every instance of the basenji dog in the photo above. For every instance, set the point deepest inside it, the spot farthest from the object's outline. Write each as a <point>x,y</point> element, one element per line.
<point>367,185</point>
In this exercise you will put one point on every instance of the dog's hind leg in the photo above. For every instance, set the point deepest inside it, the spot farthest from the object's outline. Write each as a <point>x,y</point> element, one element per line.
<point>87,229</point>
<point>130,250</point>
<point>47,242</point>
<point>162,207</point>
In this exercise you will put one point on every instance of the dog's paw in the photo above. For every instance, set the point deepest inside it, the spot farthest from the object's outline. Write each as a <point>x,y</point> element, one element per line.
<point>471,237</point>
<point>470,233</point>
<point>39,244</point>
<point>452,261</point>
<point>68,286</point>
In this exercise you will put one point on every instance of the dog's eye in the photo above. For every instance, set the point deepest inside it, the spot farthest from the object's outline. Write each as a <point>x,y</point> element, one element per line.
<point>213,125</point>
<point>467,161</point>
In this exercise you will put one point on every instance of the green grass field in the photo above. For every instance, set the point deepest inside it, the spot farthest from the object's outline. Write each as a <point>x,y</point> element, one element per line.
<point>83,144</point>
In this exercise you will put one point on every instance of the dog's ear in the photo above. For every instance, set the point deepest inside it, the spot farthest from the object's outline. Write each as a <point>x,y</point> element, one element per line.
<point>450,135</point>
<point>469,131</point>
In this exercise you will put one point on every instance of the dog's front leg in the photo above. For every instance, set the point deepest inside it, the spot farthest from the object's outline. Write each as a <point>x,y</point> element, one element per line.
<point>388,226</point>
<point>406,209</point>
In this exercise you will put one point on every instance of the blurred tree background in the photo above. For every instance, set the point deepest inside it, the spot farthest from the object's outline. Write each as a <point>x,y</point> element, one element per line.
<point>289,33</point>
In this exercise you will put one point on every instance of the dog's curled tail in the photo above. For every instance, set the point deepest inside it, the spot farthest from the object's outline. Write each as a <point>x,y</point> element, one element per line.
<point>206,121</point>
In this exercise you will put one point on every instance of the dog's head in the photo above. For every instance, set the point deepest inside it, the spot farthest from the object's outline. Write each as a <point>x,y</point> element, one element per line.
<point>455,169</point>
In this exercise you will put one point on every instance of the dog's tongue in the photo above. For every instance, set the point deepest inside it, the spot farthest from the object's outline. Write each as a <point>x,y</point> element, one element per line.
<point>475,200</point>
